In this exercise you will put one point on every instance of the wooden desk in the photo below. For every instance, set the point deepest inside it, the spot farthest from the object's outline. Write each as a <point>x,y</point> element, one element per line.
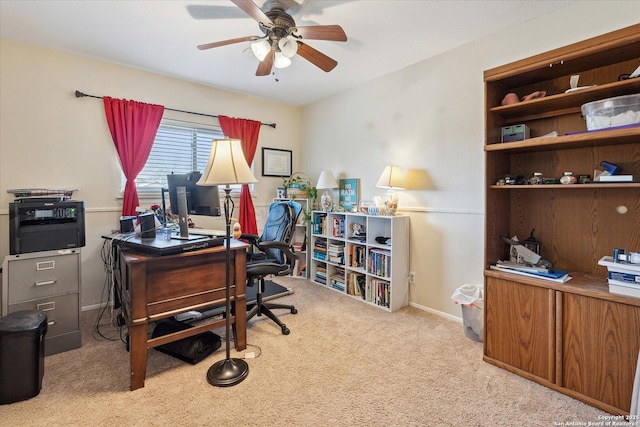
<point>151,288</point>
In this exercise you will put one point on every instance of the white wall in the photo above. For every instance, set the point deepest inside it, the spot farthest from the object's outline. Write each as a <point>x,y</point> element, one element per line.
<point>50,139</point>
<point>430,116</point>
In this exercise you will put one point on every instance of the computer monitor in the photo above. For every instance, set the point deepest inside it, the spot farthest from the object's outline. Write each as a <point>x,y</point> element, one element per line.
<point>201,200</point>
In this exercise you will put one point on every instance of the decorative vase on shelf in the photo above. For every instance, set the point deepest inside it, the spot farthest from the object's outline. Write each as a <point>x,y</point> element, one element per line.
<point>391,203</point>
<point>326,202</point>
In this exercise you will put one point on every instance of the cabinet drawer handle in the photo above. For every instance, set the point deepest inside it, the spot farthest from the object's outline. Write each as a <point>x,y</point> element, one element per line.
<point>46,306</point>
<point>52,322</point>
<point>45,282</point>
<point>45,265</point>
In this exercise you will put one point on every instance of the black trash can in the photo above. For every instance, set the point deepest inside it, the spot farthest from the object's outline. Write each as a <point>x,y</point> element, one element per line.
<point>21,355</point>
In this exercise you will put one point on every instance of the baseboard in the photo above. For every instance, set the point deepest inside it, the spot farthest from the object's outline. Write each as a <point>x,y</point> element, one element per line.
<point>436,312</point>
<point>95,306</point>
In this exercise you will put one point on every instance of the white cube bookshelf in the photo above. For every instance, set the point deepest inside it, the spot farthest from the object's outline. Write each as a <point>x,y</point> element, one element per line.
<point>359,265</point>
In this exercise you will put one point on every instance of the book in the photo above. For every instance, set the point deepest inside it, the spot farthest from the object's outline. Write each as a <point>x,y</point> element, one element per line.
<point>335,248</point>
<point>629,291</point>
<point>355,284</point>
<point>522,267</point>
<point>338,259</point>
<point>557,276</point>
<point>615,178</point>
<point>622,283</point>
<point>337,229</point>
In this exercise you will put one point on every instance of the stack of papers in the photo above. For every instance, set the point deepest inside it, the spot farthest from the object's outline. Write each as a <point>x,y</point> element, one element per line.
<point>623,277</point>
<point>552,275</point>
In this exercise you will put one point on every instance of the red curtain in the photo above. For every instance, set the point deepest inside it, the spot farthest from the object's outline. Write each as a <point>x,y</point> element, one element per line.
<point>133,127</point>
<point>247,132</point>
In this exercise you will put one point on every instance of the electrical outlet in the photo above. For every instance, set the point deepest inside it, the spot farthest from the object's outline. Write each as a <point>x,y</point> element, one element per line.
<point>412,277</point>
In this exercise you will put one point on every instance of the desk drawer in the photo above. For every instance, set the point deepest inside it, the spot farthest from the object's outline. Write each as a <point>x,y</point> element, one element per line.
<point>62,312</point>
<point>40,277</point>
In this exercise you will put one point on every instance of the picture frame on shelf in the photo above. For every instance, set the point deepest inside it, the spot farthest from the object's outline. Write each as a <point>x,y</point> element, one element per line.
<point>349,194</point>
<point>276,162</point>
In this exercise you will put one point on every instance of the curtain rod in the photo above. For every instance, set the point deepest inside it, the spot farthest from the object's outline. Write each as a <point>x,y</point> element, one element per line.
<point>82,95</point>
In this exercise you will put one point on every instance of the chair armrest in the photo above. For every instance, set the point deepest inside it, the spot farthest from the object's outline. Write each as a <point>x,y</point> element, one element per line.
<point>286,249</point>
<point>251,238</point>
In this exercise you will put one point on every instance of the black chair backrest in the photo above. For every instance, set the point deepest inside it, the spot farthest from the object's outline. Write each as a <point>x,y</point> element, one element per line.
<point>280,225</point>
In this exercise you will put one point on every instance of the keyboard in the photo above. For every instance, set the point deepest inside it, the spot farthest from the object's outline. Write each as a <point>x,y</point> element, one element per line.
<point>207,232</point>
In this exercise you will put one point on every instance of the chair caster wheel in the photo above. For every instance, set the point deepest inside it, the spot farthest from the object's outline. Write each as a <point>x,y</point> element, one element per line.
<point>285,330</point>
<point>294,311</point>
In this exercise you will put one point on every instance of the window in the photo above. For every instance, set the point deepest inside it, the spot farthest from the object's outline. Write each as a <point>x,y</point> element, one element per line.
<point>178,148</point>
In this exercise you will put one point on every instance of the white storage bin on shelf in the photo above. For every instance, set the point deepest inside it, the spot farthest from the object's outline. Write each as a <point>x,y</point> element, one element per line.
<point>363,256</point>
<point>612,112</point>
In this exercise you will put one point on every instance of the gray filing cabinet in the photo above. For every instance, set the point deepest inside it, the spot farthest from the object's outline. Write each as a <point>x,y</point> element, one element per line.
<point>48,281</point>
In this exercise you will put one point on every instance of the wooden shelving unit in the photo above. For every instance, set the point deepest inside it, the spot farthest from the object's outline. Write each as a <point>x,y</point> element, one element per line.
<point>577,337</point>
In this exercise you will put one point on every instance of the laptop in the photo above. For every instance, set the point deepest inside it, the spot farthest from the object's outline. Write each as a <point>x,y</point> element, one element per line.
<point>161,246</point>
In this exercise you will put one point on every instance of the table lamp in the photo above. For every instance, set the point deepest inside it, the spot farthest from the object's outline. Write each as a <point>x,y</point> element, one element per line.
<point>227,165</point>
<point>392,178</point>
<point>326,181</point>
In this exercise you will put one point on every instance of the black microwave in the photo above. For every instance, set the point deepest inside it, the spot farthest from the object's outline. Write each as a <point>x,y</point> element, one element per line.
<point>43,224</point>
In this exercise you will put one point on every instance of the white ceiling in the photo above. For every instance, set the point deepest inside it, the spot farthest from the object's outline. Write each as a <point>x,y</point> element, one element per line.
<point>161,36</point>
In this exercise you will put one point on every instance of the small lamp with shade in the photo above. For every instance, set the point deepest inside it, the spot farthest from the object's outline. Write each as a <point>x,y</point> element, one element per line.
<point>326,182</point>
<point>392,178</point>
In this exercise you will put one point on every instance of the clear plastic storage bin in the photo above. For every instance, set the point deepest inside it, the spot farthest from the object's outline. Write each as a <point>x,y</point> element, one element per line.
<point>612,112</point>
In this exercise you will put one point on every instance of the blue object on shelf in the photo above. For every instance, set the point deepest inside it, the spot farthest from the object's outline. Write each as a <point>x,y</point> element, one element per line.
<point>610,167</point>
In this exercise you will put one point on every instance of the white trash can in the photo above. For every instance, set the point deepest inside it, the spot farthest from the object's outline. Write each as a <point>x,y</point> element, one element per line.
<point>471,300</point>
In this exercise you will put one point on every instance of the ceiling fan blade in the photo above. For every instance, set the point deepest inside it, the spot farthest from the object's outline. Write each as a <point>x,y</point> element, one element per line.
<point>251,9</point>
<point>264,68</point>
<point>226,42</point>
<point>317,58</point>
<point>321,32</point>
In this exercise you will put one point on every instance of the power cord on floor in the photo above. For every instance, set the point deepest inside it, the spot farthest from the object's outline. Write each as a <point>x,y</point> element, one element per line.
<point>250,354</point>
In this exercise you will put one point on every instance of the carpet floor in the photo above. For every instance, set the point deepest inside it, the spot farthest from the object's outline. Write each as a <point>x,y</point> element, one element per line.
<point>345,363</point>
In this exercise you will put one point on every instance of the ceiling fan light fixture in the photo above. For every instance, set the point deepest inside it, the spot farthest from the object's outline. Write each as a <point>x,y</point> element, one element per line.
<point>260,49</point>
<point>282,37</point>
<point>281,61</point>
<point>288,46</point>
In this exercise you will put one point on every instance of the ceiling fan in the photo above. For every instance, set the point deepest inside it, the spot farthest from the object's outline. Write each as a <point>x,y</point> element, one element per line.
<point>282,38</point>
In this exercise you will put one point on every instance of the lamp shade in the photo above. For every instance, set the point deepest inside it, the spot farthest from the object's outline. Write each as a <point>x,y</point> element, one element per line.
<point>392,177</point>
<point>326,180</point>
<point>281,61</point>
<point>260,49</point>
<point>288,46</point>
<point>226,165</point>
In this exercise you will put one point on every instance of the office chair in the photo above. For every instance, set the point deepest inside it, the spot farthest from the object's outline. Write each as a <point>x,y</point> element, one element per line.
<point>272,255</point>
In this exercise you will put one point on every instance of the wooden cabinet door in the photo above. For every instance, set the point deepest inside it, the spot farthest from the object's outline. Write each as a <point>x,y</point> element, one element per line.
<point>520,327</point>
<point>600,347</point>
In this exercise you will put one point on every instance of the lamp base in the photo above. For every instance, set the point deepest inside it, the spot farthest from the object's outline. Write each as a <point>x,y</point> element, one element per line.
<point>326,202</point>
<point>227,372</point>
<point>391,203</point>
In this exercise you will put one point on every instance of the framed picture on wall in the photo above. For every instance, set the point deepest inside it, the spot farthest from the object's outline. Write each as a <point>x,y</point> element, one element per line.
<point>276,162</point>
<point>349,194</point>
